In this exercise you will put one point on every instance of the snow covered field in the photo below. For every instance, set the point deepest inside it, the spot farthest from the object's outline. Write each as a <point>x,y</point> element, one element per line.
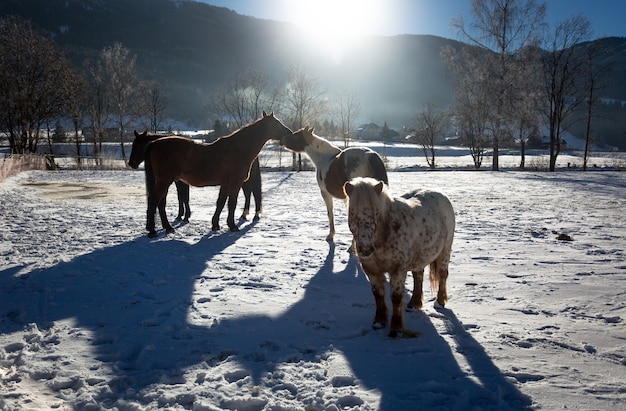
<point>94,315</point>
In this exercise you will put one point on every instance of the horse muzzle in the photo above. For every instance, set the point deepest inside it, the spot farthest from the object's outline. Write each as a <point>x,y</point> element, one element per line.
<point>364,252</point>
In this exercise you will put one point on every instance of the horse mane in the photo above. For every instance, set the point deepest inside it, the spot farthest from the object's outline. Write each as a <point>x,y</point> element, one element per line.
<point>326,145</point>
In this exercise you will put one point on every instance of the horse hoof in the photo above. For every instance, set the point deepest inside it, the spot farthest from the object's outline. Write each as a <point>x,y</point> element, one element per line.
<point>170,231</point>
<point>439,305</point>
<point>178,219</point>
<point>377,325</point>
<point>152,234</point>
<point>215,228</point>
<point>403,333</point>
<point>414,306</point>
<point>256,218</point>
<point>234,228</point>
<point>243,218</point>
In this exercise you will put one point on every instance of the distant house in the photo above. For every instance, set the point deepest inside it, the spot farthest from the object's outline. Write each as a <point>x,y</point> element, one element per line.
<point>369,131</point>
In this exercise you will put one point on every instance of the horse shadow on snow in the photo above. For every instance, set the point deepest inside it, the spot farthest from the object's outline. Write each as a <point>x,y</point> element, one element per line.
<point>140,330</point>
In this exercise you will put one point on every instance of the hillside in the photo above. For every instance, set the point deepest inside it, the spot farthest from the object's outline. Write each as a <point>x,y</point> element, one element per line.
<point>192,49</point>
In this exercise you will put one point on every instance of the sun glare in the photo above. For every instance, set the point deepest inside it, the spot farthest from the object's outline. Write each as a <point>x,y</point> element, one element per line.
<point>333,25</point>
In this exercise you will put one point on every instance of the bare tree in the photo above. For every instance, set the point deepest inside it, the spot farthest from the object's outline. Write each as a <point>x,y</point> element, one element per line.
<point>563,78</point>
<point>75,107</point>
<point>33,73</point>
<point>595,76</point>
<point>243,99</point>
<point>525,111</point>
<point>471,116</point>
<point>98,103</point>
<point>501,28</point>
<point>429,123</point>
<point>347,109</point>
<point>302,100</point>
<point>471,108</point>
<point>302,97</point>
<point>157,102</point>
<point>124,87</point>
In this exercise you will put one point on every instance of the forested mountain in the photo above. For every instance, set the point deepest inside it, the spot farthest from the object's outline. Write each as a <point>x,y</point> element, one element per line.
<point>192,49</point>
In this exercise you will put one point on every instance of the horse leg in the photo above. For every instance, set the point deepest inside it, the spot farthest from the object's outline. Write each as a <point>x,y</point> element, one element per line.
<point>378,282</point>
<point>162,213</point>
<point>258,198</point>
<point>219,206</point>
<point>156,199</point>
<point>396,281</point>
<point>232,205</point>
<point>352,249</point>
<point>246,205</point>
<point>328,199</point>
<point>150,214</point>
<point>182,189</point>
<point>416,300</point>
<point>185,190</point>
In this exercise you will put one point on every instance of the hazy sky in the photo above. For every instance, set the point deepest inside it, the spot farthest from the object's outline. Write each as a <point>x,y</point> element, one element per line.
<point>391,17</point>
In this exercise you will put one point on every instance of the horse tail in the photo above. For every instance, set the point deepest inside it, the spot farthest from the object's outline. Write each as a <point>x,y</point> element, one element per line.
<point>434,276</point>
<point>438,275</point>
<point>377,165</point>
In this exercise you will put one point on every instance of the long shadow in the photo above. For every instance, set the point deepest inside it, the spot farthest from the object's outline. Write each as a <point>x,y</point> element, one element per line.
<point>137,318</point>
<point>401,370</point>
<point>139,326</point>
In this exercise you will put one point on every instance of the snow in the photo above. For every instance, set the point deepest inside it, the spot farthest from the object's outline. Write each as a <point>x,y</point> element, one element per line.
<point>95,315</point>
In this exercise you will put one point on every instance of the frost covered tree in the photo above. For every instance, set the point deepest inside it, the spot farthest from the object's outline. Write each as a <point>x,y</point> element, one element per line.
<point>501,30</point>
<point>429,123</point>
<point>347,108</point>
<point>243,99</point>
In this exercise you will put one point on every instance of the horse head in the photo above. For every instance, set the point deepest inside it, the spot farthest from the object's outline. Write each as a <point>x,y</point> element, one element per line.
<point>275,128</point>
<point>298,140</point>
<point>367,209</point>
<point>137,153</point>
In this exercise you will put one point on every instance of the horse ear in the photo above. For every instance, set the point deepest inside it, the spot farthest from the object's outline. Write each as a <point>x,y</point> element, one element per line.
<point>308,137</point>
<point>136,133</point>
<point>379,187</point>
<point>348,188</point>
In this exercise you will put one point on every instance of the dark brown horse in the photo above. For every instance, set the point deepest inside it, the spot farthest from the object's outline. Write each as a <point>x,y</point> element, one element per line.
<point>225,162</point>
<point>137,156</point>
<point>250,187</point>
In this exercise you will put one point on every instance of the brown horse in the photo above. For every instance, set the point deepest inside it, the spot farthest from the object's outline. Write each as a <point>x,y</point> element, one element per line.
<point>137,156</point>
<point>225,162</point>
<point>335,166</point>
<point>250,187</point>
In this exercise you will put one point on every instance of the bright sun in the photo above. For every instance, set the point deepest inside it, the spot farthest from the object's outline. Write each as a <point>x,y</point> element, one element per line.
<point>333,25</point>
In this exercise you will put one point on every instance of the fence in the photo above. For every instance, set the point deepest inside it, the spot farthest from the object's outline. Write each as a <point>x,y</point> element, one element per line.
<point>13,164</point>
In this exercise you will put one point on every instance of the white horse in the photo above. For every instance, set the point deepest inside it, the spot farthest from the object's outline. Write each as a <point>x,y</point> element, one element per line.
<point>394,235</point>
<point>335,166</point>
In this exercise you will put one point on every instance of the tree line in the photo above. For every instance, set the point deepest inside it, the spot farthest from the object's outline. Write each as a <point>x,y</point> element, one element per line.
<point>39,87</point>
<point>514,75</point>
